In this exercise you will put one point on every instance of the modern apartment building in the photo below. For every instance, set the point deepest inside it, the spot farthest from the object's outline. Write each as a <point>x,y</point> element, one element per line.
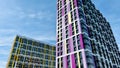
<point>30,53</point>
<point>84,37</point>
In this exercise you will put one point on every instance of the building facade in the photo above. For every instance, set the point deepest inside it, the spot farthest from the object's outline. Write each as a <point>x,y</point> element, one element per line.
<point>84,37</point>
<point>29,53</point>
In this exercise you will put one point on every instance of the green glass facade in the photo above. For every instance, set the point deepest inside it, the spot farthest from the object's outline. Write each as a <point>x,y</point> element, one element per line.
<point>29,53</point>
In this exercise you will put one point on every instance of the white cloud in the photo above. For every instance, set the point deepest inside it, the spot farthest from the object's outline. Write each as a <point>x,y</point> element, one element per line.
<point>6,41</point>
<point>5,31</point>
<point>41,15</point>
<point>46,15</point>
<point>4,52</point>
<point>32,15</point>
<point>18,13</point>
<point>7,36</point>
<point>45,38</point>
<point>3,64</point>
<point>113,18</point>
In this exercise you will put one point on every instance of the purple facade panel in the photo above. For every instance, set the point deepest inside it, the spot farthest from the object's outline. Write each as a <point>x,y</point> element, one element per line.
<point>73,61</point>
<point>63,35</point>
<point>70,30</point>
<point>62,2</point>
<point>70,45</point>
<point>75,2</point>
<point>63,11</point>
<point>73,16</point>
<point>68,7</point>
<point>77,13</point>
<point>65,65</point>
<point>63,21</point>
<point>81,41</point>
<point>64,48</point>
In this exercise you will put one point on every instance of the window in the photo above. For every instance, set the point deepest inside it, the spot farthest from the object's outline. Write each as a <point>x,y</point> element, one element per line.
<point>68,50</point>
<point>34,49</point>
<point>61,53</point>
<point>33,54</point>
<point>15,44</point>
<point>70,6</point>
<point>65,9</point>
<point>20,58</point>
<point>86,42</point>
<point>46,56</point>
<point>22,52</point>
<point>64,2</point>
<point>79,47</point>
<point>41,55</point>
<point>83,26</point>
<point>23,46</point>
<point>17,38</point>
<point>10,64</point>
<point>12,57</point>
<point>46,62</point>
<point>26,59</point>
<point>67,36</point>
<point>79,3</point>
<point>19,65</point>
<point>29,47</point>
<point>27,53</point>
<point>75,49</point>
<point>61,48</point>
<point>14,50</point>
<point>54,53</point>
<point>24,40</point>
<point>81,14</point>
<point>71,16</point>
<point>30,42</point>
<point>81,60</point>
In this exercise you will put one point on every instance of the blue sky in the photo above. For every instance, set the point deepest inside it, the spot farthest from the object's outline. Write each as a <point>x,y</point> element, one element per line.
<point>37,19</point>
